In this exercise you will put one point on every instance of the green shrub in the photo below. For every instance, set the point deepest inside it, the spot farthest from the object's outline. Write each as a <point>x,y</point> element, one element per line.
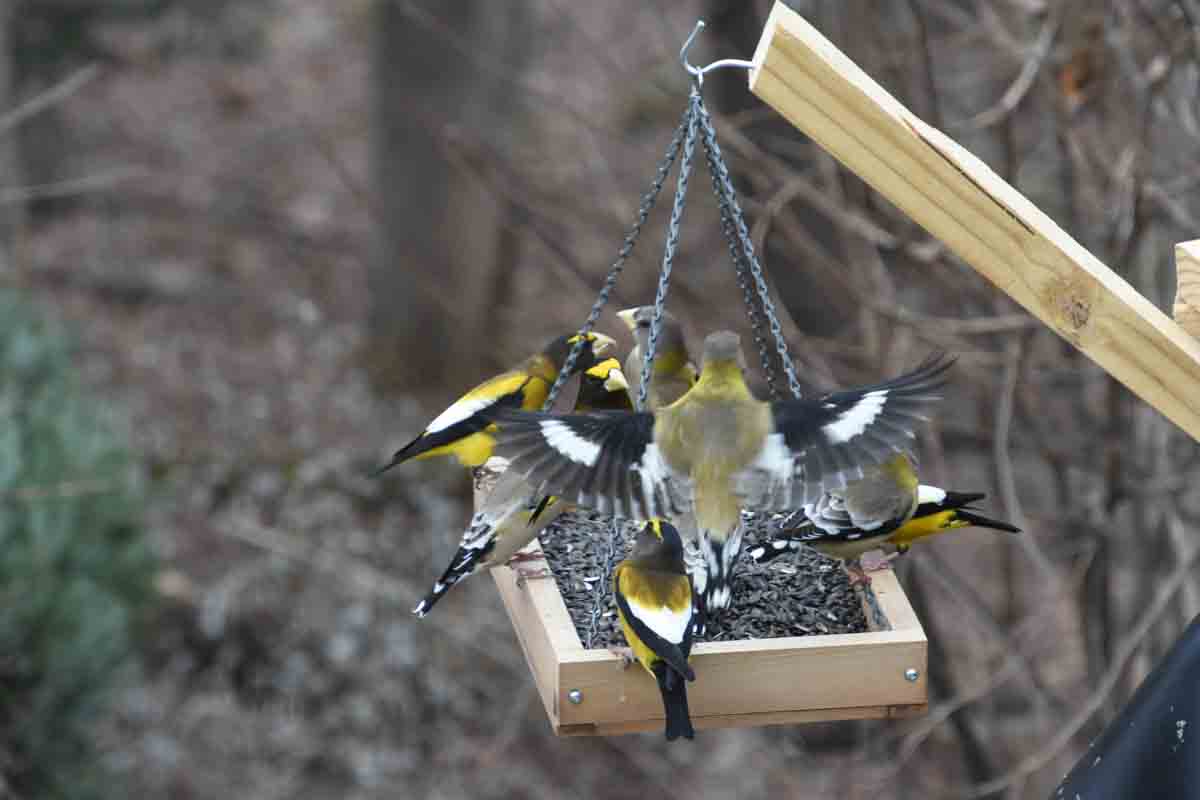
<point>75,565</point>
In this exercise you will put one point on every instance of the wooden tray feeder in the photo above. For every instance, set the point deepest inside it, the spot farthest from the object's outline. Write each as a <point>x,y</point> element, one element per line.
<point>874,675</point>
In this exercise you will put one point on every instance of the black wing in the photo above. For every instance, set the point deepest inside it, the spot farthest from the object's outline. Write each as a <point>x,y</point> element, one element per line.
<point>605,461</point>
<point>835,436</point>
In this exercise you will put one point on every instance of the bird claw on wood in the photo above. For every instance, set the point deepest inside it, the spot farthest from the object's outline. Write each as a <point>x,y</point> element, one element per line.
<point>858,576</point>
<point>623,653</point>
<point>522,555</point>
<point>873,561</point>
<point>531,575</point>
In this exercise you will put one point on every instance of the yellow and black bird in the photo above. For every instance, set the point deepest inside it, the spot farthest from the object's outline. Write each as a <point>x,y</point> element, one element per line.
<point>603,387</point>
<point>717,450</point>
<point>654,604</point>
<point>513,515</point>
<point>673,373</point>
<point>462,431</point>
<point>837,527</point>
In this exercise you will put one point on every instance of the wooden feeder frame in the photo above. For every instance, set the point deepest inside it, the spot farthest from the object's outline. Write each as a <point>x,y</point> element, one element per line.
<point>752,682</point>
<point>1006,238</point>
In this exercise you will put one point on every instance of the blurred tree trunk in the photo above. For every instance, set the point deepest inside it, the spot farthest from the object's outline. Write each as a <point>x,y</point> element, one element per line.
<point>12,214</point>
<point>440,240</point>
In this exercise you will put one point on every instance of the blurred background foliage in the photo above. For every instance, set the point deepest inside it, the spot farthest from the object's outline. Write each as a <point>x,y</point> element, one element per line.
<point>286,233</point>
<point>75,563</point>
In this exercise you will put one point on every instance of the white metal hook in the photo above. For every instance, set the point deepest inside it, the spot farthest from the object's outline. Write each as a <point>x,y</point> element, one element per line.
<point>698,72</point>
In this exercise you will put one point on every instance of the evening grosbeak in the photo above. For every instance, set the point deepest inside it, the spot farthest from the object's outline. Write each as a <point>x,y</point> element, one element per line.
<point>654,604</point>
<point>513,515</point>
<point>673,373</point>
<point>717,450</point>
<point>462,431</point>
<point>603,387</point>
<point>846,525</point>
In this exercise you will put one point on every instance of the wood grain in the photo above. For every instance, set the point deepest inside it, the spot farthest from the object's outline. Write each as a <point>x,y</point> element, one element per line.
<point>747,720</point>
<point>1187,286</point>
<point>988,223</point>
<point>828,673</point>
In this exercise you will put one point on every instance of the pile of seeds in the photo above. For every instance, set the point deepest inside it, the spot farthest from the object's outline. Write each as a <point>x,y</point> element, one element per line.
<point>800,594</point>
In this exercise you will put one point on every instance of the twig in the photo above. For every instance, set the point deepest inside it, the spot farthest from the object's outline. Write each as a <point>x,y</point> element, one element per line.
<point>328,152</point>
<point>51,97</point>
<point>1015,93</point>
<point>78,488</point>
<point>1004,468</point>
<point>101,181</point>
<point>1121,655</point>
<point>956,587</point>
<point>1028,629</point>
<point>367,577</point>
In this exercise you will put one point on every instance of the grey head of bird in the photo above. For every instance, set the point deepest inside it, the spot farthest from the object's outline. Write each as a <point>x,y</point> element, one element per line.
<point>724,346</point>
<point>639,319</point>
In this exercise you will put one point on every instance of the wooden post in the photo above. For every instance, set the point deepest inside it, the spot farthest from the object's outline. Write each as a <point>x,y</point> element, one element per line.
<point>988,223</point>
<point>1187,286</point>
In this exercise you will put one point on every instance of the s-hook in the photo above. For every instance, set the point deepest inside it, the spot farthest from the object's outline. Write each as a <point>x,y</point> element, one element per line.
<point>698,72</point>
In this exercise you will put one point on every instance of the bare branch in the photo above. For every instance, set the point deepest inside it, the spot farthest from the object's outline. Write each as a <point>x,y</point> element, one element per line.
<point>1016,92</point>
<point>53,96</point>
<point>1127,647</point>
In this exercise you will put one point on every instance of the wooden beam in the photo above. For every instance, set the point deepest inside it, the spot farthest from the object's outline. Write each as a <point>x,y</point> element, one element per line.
<point>988,223</point>
<point>1187,286</point>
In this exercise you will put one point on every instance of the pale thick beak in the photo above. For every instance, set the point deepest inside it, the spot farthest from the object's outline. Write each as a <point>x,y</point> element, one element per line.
<point>615,382</point>
<point>602,343</point>
<point>626,316</point>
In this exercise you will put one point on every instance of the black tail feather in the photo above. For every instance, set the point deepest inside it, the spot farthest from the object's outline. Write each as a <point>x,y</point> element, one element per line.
<point>674,696</point>
<point>411,450</point>
<point>980,521</point>
<point>462,565</point>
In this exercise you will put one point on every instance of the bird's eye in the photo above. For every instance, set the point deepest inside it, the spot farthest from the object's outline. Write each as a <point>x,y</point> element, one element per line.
<point>644,323</point>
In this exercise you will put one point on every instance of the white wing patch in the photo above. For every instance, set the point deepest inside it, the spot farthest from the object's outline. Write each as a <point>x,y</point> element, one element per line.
<point>670,625</point>
<point>853,421</point>
<point>930,494</point>
<point>570,444</point>
<point>462,410</point>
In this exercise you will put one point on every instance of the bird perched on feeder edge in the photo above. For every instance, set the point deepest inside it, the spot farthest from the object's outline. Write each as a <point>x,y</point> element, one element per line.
<point>462,431</point>
<point>717,449</point>
<point>654,606</point>
<point>673,372</point>
<point>831,527</point>
<point>513,514</point>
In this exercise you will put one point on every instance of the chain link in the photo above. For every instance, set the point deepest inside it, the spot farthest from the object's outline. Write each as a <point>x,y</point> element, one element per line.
<point>609,545</point>
<point>749,271</point>
<point>738,257</point>
<point>614,271</point>
<point>728,196</point>
<point>664,276</point>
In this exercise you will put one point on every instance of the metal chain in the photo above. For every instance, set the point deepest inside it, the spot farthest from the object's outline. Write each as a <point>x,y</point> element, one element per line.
<point>614,271</point>
<point>738,256</point>
<point>608,545</point>
<point>728,195</point>
<point>664,276</point>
